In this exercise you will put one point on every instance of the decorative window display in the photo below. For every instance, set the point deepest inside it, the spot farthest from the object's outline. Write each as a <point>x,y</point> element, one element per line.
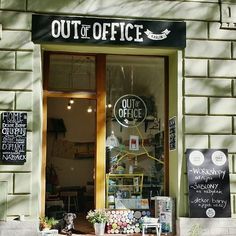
<point>135,131</point>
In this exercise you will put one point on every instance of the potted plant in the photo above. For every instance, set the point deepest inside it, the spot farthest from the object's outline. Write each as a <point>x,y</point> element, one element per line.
<point>98,218</point>
<point>46,223</point>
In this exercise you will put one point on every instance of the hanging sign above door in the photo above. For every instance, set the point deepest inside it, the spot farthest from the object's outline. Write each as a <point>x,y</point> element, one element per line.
<point>65,29</point>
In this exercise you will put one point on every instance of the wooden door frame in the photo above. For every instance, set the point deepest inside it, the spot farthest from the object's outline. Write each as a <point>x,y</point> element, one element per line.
<point>100,97</point>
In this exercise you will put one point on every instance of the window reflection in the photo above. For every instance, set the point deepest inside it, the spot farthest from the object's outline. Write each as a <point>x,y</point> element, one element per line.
<point>135,155</point>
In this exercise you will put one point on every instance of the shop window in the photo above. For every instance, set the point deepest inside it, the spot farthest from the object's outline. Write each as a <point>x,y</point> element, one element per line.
<point>70,72</point>
<point>135,151</point>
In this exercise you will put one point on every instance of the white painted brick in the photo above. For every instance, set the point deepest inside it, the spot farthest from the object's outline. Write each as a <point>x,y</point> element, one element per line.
<point>196,141</point>
<point>16,80</point>
<point>24,60</point>
<point>29,121</point>
<point>9,178</point>
<point>234,124</point>
<point>196,30</point>
<point>22,183</point>
<point>232,231</point>
<point>223,141</point>
<point>3,200</point>
<point>208,87</point>
<point>233,183</point>
<point>29,141</point>
<point>234,50</point>
<point>26,167</point>
<point>208,124</point>
<point>222,68</point>
<point>23,21</point>
<point>195,67</point>
<point>195,105</point>
<point>13,5</point>
<point>234,164</point>
<point>222,106</point>
<point>151,9</point>
<point>219,231</point>
<point>231,161</point>
<point>7,60</point>
<point>7,100</point>
<point>208,49</point>
<point>0,31</point>
<point>234,81</point>
<point>16,40</point>
<point>24,101</point>
<point>216,32</point>
<point>18,204</point>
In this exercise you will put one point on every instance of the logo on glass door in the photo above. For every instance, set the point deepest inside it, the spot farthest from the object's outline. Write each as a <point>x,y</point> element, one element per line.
<point>130,110</point>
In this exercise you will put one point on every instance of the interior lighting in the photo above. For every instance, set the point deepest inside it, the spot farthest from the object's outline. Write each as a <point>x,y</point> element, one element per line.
<point>89,110</point>
<point>69,106</point>
<point>71,101</point>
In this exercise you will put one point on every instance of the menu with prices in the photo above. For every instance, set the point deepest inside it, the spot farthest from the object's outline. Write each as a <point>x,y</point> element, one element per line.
<point>13,138</point>
<point>208,183</point>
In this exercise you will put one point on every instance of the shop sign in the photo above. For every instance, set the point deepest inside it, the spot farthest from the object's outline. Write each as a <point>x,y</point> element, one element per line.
<point>130,110</point>
<point>65,29</point>
<point>172,133</point>
<point>208,183</point>
<point>14,133</point>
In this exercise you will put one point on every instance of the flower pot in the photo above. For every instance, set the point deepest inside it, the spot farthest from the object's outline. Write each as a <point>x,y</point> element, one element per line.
<point>99,228</point>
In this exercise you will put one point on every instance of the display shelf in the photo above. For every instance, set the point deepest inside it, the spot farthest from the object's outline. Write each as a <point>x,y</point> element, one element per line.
<point>127,185</point>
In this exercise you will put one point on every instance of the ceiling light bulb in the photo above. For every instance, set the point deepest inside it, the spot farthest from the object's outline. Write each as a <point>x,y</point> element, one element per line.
<point>68,106</point>
<point>72,101</point>
<point>89,110</point>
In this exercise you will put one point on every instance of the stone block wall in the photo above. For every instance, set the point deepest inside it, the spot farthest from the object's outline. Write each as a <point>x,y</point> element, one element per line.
<point>16,94</point>
<point>208,82</point>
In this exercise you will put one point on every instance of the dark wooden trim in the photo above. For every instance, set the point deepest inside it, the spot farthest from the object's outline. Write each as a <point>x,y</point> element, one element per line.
<point>166,132</point>
<point>100,163</point>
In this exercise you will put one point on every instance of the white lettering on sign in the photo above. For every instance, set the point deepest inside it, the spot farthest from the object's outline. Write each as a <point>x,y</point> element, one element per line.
<point>114,31</point>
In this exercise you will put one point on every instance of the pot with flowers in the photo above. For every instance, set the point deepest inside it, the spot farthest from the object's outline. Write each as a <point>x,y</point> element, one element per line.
<point>98,218</point>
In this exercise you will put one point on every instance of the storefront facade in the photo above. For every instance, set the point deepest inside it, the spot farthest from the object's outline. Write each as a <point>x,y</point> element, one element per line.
<point>198,92</point>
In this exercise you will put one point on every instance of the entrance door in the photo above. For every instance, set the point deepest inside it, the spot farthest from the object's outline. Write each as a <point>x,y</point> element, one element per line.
<point>73,147</point>
<point>70,156</point>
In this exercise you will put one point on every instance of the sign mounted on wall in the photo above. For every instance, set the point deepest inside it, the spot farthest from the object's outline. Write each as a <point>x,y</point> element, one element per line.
<point>172,133</point>
<point>65,29</point>
<point>208,180</point>
<point>14,133</point>
<point>130,110</point>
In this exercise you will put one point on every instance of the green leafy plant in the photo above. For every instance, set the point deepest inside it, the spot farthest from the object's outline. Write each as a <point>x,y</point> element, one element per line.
<point>97,216</point>
<point>45,222</point>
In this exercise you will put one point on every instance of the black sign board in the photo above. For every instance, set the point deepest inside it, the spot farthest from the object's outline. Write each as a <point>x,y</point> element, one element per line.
<point>65,29</point>
<point>130,110</point>
<point>14,133</point>
<point>172,133</point>
<point>208,180</point>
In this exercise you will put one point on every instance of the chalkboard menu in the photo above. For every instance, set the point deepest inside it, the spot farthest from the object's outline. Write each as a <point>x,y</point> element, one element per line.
<point>14,132</point>
<point>208,180</point>
<point>172,133</point>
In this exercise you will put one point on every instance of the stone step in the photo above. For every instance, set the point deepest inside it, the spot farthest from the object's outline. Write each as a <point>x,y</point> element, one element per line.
<point>19,228</point>
<point>17,232</point>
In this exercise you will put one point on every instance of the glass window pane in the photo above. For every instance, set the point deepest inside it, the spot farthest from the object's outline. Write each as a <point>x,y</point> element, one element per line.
<point>135,154</point>
<point>71,72</point>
